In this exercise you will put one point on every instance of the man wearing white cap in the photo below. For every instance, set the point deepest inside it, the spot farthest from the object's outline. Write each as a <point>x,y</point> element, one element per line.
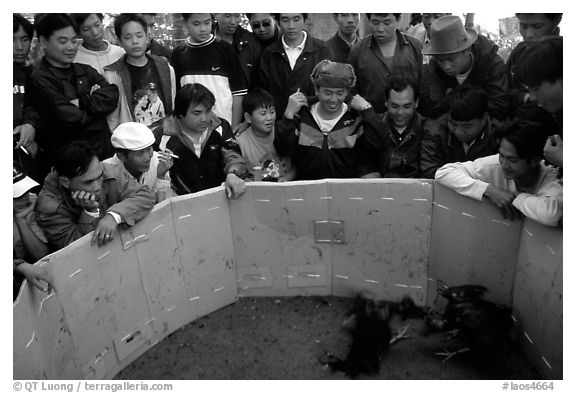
<point>135,155</point>
<point>29,243</point>
<point>461,56</point>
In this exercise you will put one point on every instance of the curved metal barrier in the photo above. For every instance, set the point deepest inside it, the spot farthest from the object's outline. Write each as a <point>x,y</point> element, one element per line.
<point>197,253</point>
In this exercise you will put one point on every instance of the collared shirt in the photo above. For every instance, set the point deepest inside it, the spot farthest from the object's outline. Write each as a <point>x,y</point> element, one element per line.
<point>294,51</point>
<point>149,178</point>
<point>350,44</point>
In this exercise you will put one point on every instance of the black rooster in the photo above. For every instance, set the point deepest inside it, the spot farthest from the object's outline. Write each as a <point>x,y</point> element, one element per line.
<point>483,325</point>
<point>368,324</point>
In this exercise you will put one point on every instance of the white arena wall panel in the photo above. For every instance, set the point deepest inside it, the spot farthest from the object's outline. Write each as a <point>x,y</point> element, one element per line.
<point>197,253</point>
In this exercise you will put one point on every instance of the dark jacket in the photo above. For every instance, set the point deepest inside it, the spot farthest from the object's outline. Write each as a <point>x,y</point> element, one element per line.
<point>529,110</point>
<point>379,151</point>
<point>52,94</point>
<point>248,50</point>
<point>63,221</point>
<point>440,147</point>
<point>488,71</point>
<point>25,113</point>
<point>315,154</point>
<point>340,48</point>
<point>276,76</point>
<point>157,49</point>
<point>372,72</point>
<point>220,155</point>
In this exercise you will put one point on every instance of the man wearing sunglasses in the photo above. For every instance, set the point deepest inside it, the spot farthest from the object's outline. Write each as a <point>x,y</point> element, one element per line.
<point>264,28</point>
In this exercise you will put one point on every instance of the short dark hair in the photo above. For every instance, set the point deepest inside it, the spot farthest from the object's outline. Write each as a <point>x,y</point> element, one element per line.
<point>187,16</point>
<point>250,15</point>
<point>192,94</point>
<point>468,102</point>
<point>527,137</point>
<point>81,18</point>
<point>278,15</point>
<point>397,16</point>
<point>255,99</point>
<point>18,20</point>
<point>74,159</point>
<point>549,16</point>
<point>540,62</point>
<point>48,23</point>
<point>399,80</point>
<point>123,19</point>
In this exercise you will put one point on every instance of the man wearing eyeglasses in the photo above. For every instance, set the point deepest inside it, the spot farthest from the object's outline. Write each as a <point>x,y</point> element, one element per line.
<point>245,44</point>
<point>264,28</point>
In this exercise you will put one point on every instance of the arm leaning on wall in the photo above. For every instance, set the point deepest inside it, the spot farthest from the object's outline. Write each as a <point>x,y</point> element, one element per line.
<point>546,205</point>
<point>471,178</point>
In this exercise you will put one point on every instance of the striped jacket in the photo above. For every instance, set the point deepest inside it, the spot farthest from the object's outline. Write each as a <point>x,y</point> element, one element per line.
<point>319,155</point>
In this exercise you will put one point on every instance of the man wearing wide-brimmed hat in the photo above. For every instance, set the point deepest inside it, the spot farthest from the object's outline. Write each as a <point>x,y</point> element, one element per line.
<point>461,56</point>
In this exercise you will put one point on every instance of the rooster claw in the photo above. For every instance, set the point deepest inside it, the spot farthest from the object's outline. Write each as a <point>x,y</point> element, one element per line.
<point>400,335</point>
<point>450,355</point>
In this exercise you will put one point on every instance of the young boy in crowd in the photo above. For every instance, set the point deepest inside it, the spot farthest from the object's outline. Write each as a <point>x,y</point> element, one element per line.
<point>515,180</point>
<point>94,49</point>
<point>257,141</point>
<point>136,71</point>
<point>212,63</point>
<point>464,134</point>
<point>207,152</point>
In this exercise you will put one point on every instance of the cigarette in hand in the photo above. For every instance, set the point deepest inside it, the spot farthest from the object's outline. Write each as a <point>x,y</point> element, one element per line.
<point>170,154</point>
<point>24,150</point>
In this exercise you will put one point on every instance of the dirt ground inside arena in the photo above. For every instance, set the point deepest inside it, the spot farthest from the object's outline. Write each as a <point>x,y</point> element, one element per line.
<point>283,338</point>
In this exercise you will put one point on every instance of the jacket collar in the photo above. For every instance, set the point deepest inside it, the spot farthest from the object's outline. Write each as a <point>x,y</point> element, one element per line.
<point>401,39</point>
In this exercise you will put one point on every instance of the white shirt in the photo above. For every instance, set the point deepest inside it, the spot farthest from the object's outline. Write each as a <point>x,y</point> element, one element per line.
<point>471,179</point>
<point>326,125</point>
<point>294,51</point>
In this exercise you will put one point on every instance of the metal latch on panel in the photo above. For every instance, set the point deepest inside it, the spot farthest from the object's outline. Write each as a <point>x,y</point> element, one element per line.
<point>329,231</point>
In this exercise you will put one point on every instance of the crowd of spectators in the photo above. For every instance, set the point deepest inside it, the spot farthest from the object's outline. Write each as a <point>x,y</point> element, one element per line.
<point>102,132</point>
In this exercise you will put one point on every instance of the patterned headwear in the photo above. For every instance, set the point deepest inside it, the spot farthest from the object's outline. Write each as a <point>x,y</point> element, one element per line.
<point>334,75</point>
